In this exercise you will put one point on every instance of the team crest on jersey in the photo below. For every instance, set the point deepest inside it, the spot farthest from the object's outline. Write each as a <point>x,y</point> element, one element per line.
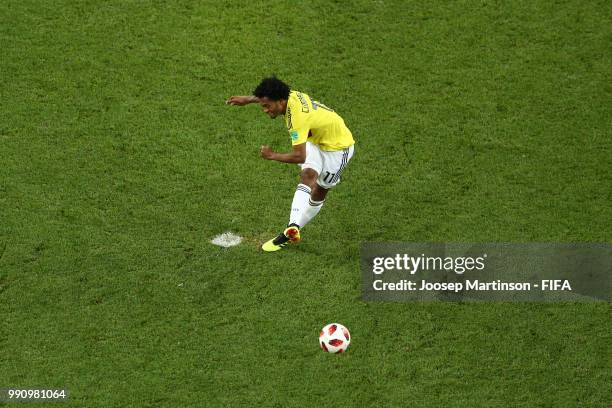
<point>294,135</point>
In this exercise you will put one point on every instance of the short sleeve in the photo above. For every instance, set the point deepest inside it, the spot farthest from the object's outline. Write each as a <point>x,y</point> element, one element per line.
<point>298,127</point>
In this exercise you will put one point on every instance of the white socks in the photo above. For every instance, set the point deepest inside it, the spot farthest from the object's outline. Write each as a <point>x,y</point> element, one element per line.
<point>300,201</point>
<point>303,209</point>
<point>308,213</point>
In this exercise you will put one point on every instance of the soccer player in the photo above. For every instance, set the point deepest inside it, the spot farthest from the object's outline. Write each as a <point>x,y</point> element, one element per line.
<point>322,146</point>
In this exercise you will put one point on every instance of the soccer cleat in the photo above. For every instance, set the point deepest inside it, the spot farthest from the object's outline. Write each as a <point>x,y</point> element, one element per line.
<point>292,232</point>
<point>275,244</point>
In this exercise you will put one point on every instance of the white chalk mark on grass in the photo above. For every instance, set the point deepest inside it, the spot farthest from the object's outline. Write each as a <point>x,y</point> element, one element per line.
<point>227,239</point>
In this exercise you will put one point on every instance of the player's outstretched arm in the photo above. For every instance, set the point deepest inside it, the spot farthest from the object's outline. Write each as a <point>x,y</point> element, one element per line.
<point>241,100</point>
<point>297,155</point>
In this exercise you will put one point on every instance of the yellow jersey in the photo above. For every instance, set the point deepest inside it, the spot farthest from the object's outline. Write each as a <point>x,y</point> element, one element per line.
<point>309,120</point>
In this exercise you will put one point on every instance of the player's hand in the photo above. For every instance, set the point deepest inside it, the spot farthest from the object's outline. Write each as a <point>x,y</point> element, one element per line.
<point>238,100</point>
<point>266,152</point>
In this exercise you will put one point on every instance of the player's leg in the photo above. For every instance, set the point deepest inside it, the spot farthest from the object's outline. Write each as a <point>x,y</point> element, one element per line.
<point>334,164</point>
<point>315,203</point>
<point>308,176</point>
<point>301,202</point>
<point>303,191</point>
<point>318,193</point>
<point>311,169</point>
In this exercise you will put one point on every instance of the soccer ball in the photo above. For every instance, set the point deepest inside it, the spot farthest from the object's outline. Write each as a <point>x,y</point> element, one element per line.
<point>334,338</point>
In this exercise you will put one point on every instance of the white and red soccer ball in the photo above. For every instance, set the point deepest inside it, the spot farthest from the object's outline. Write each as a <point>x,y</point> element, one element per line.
<point>334,338</point>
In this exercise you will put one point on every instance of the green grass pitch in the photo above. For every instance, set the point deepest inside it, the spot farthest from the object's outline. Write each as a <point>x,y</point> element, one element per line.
<point>475,121</point>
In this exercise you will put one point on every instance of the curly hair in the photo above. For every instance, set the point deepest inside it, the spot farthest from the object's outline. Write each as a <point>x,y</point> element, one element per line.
<point>272,88</point>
